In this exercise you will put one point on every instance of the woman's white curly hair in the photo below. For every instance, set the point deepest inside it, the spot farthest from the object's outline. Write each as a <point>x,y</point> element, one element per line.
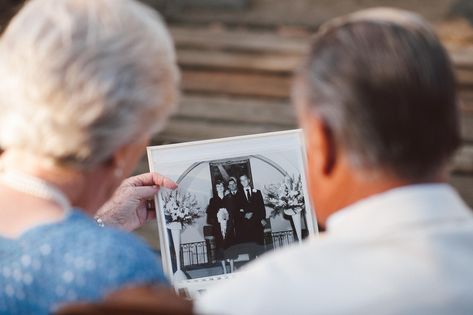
<point>79,79</point>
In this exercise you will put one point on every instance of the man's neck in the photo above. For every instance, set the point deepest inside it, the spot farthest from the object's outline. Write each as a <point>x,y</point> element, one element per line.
<point>357,186</point>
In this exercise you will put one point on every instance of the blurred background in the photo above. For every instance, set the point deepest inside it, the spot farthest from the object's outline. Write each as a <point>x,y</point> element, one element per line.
<point>237,58</point>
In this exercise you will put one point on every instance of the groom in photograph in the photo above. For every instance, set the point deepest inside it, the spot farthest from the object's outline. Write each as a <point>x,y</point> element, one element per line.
<point>250,219</point>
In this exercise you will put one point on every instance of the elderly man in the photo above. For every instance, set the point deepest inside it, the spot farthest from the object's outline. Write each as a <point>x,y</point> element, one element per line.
<point>376,98</point>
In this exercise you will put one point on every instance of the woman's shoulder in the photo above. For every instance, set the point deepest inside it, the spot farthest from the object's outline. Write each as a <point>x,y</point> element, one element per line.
<point>212,201</point>
<point>79,238</point>
<point>86,227</point>
<point>75,259</point>
<point>111,240</point>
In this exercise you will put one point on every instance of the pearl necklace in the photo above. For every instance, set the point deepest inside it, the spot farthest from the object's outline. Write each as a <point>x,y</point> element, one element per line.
<point>35,186</point>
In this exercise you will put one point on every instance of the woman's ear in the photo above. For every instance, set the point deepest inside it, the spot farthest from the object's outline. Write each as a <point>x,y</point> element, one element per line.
<point>118,162</point>
<point>125,158</point>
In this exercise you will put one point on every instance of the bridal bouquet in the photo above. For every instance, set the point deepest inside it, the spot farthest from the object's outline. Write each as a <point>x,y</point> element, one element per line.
<point>180,207</point>
<point>285,197</point>
<point>222,218</point>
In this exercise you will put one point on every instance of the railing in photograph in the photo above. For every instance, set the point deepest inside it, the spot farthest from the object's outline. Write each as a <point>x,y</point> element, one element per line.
<point>194,254</point>
<point>281,239</point>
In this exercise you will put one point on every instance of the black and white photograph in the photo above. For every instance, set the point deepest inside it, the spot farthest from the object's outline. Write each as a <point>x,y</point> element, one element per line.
<point>237,198</point>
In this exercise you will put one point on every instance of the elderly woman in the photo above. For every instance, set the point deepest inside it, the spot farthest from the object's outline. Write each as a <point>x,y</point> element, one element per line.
<point>83,86</point>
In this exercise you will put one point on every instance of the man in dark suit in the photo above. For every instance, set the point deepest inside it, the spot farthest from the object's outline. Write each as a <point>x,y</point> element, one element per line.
<point>233,203</point>
<point>250,217</point>
<point>232,187</point>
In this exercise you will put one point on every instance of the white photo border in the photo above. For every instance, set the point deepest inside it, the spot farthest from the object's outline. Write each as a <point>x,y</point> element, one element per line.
<point>165,242</point>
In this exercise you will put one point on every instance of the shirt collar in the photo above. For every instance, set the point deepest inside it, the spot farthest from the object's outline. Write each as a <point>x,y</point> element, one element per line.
<point>397,208</point>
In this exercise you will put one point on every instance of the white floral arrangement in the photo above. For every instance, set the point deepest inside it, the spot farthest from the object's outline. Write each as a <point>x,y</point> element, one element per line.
<point>286,197</point>
<point>180,207</point>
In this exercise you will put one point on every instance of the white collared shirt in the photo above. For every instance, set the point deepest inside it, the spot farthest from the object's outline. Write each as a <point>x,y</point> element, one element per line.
<point>405,251</point>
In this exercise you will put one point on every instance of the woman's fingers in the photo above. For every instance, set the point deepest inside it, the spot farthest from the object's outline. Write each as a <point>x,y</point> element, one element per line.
<point>145,179</point>
<point>151,179</point>
<point>144,192</point>
<point>151,214</point>
<point>163,181</point>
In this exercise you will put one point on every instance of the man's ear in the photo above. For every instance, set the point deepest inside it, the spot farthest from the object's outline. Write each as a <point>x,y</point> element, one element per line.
<point>322,152</point>
<point>328,139</point>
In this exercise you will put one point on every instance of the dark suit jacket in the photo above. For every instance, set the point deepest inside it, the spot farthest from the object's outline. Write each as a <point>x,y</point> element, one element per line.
<point>250,230</point>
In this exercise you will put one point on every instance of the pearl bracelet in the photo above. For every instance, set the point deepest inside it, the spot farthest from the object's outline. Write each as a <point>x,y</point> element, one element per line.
<point>100,222</point>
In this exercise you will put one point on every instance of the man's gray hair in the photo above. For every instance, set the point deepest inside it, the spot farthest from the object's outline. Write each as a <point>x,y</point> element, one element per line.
<point>80,78</point>
<point>384,85</point>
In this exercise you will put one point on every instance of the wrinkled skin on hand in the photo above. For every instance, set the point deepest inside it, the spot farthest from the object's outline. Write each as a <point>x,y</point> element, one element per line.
<point>127,208</point>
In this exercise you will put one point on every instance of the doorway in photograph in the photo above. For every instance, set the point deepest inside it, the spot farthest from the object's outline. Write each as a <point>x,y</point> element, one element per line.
<point>234,167</point>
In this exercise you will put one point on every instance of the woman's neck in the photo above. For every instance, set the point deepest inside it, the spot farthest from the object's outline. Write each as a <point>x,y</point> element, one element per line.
<point>66,180</point>
<point>87,190</point>
<point>21,210</point>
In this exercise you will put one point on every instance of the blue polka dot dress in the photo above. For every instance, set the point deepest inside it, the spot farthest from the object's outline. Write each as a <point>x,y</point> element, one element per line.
<point>71,260</point>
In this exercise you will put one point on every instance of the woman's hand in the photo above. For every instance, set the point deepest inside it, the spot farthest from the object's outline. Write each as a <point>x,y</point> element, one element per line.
<point>127,208</point>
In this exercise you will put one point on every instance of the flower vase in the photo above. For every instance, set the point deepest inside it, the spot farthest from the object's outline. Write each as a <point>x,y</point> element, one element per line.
<point>176,228</point>
<point>296,219</point>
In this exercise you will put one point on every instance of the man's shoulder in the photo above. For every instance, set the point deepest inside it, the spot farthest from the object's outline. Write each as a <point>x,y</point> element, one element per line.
<point>292,280</point>
<point>256,193</point>
<point>290,261</point>
<point>353,270</point>
<point>282,276</point>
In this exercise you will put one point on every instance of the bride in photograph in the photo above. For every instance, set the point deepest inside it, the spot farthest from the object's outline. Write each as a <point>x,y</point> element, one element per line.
<point>220,217</point>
